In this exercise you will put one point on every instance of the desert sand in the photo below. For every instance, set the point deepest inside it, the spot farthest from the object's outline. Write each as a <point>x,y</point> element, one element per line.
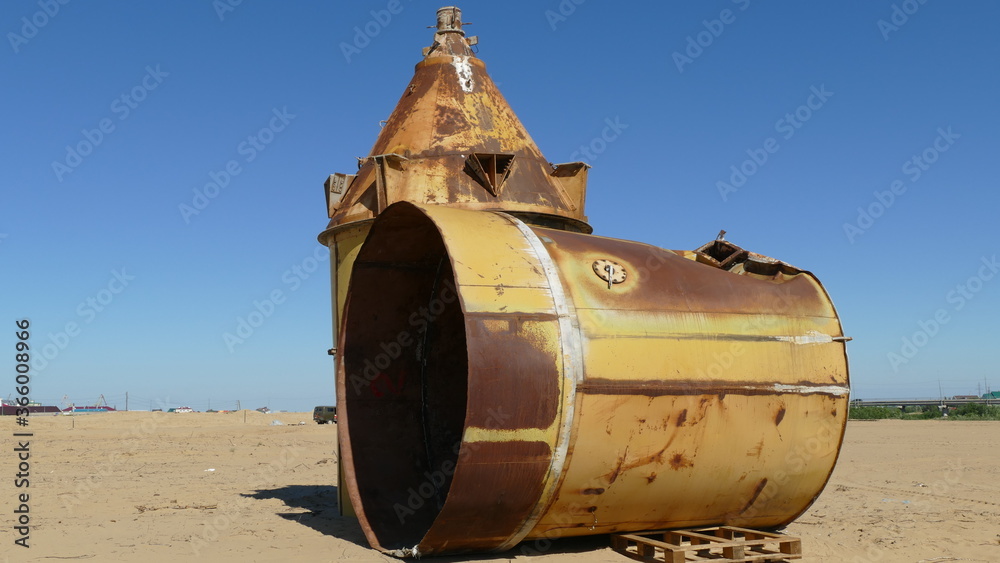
<point>135,486</point>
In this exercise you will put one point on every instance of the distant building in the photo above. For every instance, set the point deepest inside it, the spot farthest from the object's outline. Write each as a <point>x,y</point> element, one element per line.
<point>992,395</point>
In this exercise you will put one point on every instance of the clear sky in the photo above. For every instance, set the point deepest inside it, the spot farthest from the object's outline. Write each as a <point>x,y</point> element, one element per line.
<point>856,139</point>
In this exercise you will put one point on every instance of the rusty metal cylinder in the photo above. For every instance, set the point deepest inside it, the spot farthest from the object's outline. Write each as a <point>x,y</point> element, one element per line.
<point>500,382</point>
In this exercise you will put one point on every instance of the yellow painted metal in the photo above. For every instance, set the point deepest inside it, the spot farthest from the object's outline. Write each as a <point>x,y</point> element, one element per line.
<point>700,404</point>
<point>344,245</point>
<point>344,248</point>
<point>633,468</point>
<point>687,395</point>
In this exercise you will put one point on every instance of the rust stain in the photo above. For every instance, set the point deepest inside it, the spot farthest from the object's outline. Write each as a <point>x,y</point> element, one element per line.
<point>756,493</point>
<point>597,491</point>
<point>446,122</point>
<point>679,461</point>
<point>499,289</point>
<point>437,123</point>
<point>613,476</point>
<point>655,458</point>
<point>779,416</point>
<point>682,417</point>
<point>651,478</point>
<point>639,462</point>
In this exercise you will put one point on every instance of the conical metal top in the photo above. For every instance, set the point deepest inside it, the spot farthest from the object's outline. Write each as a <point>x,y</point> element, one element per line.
<point>453,140</point>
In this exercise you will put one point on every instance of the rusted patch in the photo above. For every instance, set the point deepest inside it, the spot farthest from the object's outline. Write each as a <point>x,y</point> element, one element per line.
<point>495,487</point>
<point>597,491</point>
<point>445,123</point>
<point>513,381</point>
<point>651,478</point>
<point>756,493</point>
<point>690,283</point>
<point>678,461</point>
<point>682,417</point>
<point>401,382</point>
<point>435,123</point>
<point>779,416</point>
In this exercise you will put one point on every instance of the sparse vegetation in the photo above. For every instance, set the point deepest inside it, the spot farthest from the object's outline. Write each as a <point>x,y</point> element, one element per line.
<point>971,411</point>
<point>975,411</point>
<point>873,413</point>
<point>923,413</point>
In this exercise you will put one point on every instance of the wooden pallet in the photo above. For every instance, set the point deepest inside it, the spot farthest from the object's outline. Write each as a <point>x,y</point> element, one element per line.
<point>720,544</point>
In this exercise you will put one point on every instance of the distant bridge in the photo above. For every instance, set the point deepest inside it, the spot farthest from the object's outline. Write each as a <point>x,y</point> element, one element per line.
<point>950,402</point>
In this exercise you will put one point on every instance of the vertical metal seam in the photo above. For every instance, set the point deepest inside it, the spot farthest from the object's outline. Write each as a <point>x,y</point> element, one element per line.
<point>571,348</point>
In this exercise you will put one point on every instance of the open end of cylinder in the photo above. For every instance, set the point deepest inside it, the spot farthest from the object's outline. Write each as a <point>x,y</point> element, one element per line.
<point>406,382</point>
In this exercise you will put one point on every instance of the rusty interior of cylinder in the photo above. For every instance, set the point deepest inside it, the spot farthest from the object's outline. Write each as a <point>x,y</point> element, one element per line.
<point>405,356</point>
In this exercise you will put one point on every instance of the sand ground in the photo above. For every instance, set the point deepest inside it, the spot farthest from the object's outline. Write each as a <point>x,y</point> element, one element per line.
<point>233,487</point>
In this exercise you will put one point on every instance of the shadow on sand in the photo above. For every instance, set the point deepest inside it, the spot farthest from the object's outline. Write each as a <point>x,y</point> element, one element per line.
<point>320,504</point>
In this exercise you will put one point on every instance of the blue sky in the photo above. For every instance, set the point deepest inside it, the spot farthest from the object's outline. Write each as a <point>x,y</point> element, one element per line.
<point>780,122</point>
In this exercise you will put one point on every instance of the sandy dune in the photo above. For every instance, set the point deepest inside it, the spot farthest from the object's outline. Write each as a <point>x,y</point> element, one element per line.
<point>231,487</point>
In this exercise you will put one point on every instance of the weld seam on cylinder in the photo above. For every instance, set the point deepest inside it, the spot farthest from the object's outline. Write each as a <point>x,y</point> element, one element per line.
<point>571,348</point>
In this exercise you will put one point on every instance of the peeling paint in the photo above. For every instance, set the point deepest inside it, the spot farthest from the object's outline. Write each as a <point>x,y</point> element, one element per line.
<point>464,71</point>
<point>825,389</point>
<point>811,337</point>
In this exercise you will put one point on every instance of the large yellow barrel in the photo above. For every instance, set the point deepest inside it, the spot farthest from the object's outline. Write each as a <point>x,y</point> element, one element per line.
<point>501,382</point>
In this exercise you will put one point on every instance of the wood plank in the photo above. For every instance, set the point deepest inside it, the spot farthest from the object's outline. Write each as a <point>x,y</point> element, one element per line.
<point>721,544</point>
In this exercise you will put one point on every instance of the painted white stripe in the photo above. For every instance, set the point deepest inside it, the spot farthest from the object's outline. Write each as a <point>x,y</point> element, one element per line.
<point>811,337</point>
<point>807,389</point>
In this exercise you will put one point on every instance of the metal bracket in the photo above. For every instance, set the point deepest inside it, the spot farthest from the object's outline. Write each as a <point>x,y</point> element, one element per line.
<point>490,169</point>
<point>335,187</point>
